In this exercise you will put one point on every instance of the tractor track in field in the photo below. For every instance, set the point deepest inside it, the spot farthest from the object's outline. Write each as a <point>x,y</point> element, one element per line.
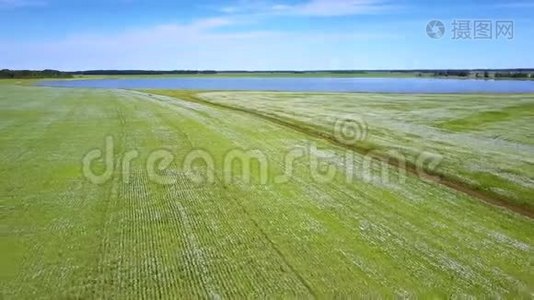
<point>484,196</point>
<point>262,232</point>
<point>274,247</point>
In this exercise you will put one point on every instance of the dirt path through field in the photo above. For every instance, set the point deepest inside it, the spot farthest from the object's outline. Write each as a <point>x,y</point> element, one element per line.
<point>428,175</point>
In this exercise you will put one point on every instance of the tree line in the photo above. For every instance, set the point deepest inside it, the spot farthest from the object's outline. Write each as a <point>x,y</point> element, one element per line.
<point>142,72</point>
<point>478,73</point>
<point>28,74</point>
<point>484,73</point>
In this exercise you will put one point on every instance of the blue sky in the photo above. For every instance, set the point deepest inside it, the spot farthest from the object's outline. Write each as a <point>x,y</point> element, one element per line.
<point>258,34</point>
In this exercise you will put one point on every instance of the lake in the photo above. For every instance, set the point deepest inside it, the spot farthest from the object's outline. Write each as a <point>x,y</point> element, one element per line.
<point>371,85</point>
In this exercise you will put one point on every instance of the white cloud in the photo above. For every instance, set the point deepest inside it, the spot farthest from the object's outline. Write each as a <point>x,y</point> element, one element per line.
<point>20,3</point>
<point>318,8</point>
<point>196,45</point>
<point>515,5</point>
<point>338,7</point>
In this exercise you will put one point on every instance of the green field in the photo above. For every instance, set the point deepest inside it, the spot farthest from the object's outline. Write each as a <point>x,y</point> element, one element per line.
<point>154,229</point>
<point>310,74</point>
<point>318,74</point>
<point>485,142</point>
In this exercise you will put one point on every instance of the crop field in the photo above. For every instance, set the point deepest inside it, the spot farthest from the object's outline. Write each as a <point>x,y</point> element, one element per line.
<point>173,194</point>
<point>484,142</point>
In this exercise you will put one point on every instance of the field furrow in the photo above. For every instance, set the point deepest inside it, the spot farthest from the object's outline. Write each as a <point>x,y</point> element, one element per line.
<point>171,218</point>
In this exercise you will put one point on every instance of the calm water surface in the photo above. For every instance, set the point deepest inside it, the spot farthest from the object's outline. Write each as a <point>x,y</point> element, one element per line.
<point>372,85</point>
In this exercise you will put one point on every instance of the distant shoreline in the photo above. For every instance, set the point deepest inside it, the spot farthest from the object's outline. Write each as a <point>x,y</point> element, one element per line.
<point>286,75</point>
<point>483,74</point>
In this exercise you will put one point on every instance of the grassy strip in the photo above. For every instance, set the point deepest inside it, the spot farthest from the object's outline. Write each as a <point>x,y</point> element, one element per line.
<point>477,119</point>
<point>131,237</point>
<point>376,151</point>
